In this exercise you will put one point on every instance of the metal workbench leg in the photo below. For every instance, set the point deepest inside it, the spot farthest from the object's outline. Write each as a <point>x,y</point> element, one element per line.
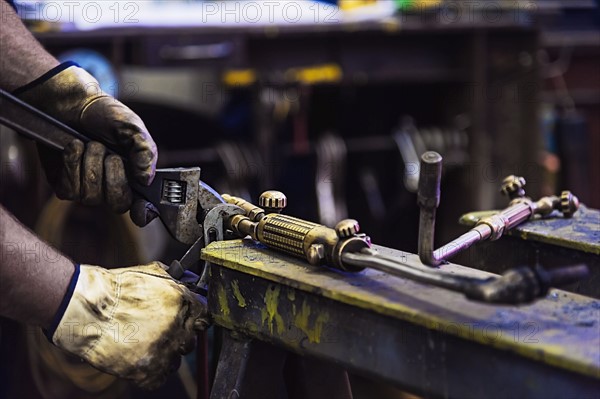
<point>309,378</point>
<point>248,369</point>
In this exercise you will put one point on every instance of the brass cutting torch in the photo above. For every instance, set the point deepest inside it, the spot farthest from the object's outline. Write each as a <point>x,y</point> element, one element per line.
<point>346,249</point>
<point>519,210</point>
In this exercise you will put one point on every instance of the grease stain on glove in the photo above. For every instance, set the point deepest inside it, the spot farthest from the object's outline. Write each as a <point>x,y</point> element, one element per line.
<point>132,322</point>
<point>86,174</point>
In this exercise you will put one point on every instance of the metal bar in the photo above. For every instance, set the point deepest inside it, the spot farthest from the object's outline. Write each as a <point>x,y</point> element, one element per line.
<point>492,227</point>
<point>428,198</point>
<point>248,369</point>
<point>232,366</point>
<point>476,234</point>
<point>394,267</point>
<point>34,124</point>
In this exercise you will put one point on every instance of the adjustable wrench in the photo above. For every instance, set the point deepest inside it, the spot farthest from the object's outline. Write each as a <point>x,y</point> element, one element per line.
<point>180,198</point>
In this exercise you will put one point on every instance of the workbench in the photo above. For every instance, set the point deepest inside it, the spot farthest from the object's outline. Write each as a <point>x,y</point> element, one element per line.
<point>424,339</point>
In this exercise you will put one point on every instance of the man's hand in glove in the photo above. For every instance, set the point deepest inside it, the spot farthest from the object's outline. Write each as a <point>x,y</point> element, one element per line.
<point>132,322</point>
<point>85,173</point>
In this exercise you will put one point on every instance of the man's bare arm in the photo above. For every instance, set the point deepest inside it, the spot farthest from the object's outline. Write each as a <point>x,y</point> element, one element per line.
<point>33,276</point>
<point>22,57</point>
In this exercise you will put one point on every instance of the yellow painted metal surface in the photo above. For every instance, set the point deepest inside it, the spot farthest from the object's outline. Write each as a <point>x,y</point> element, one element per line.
<point>270,315</point>
<point>562,330</point>
<point>313,329</point>
<point>238,295</point>
<point>223,303</point>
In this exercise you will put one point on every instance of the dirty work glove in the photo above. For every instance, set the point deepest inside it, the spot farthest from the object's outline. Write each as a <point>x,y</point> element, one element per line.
<point>84,173</point>
<point>132,322</point>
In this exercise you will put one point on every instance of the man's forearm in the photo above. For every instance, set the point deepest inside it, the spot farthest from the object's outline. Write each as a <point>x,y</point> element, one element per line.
<point>33,276</point>
<point>22,57</point>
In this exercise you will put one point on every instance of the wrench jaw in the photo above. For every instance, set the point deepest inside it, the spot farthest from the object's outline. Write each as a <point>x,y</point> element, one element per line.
<point>175,195</point>
<point>194,214</point>
<point>190,269</point>
<point>208,198</point>
<point>215,229</point>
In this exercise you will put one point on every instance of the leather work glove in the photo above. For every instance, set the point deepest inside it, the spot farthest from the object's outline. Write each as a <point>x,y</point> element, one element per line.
<point>84,173</point>
<point>133,322</point>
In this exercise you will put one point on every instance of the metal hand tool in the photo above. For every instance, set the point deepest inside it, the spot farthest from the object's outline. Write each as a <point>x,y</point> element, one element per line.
<point>492,227</point>
<point>179,196</point>
<point>344,248</point>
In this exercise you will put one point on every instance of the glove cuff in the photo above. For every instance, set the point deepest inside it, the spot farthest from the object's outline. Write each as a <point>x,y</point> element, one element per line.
<point>132,322</point>
<point>63,93</point>
<point>93,300</point>
<point>63,304</point>
<point>47,76</point>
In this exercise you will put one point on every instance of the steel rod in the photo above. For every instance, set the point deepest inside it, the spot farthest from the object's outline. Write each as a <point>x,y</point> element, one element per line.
<point>515,286</point>
<point>429,199</point>
<point>478,233</point>
<point>439,279</point>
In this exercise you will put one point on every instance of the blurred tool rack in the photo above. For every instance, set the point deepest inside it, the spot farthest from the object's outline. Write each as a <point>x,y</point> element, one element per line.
<point>419,65</point>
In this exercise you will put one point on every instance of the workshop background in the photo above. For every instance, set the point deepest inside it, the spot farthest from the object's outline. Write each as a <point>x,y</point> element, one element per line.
<point>331,104</point>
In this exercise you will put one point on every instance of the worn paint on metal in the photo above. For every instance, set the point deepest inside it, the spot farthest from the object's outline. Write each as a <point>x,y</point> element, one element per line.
<point>398,351</point>
<point>551,330</point>
<point>269,312</point>
<point>238,295</point>
<point>291,294</point>
<point>581,232</point>
<point>302,321</point>
<point>223,301</point>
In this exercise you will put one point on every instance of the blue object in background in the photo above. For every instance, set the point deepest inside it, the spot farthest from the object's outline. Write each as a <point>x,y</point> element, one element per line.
<point>97,65</point>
